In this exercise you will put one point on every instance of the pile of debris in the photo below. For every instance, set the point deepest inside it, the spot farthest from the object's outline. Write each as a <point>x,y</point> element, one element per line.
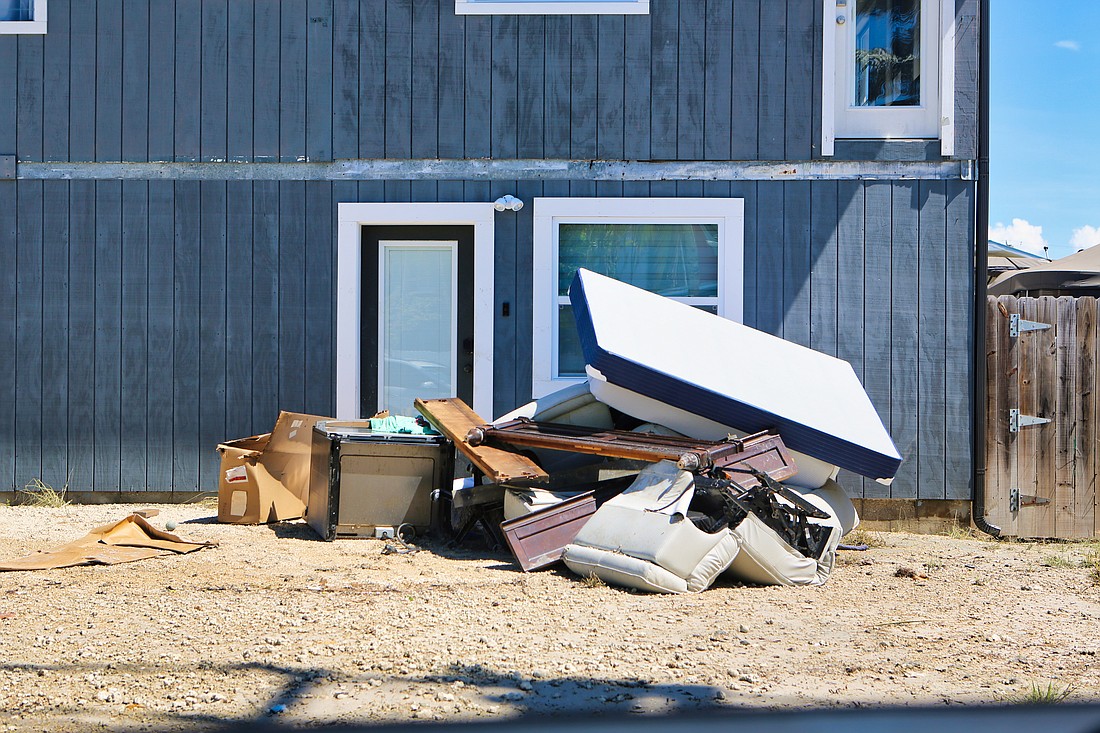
<point>697,448</point>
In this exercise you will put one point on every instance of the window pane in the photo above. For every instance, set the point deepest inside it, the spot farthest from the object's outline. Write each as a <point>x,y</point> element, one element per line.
<point>416,327</point>
<point>16,9</point>
<point>676,260</point>
<point>887,53</point>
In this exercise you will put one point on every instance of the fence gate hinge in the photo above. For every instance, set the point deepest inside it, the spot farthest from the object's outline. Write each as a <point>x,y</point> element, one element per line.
<point>1017,500</point>
<point>1017,421</point>
<point>1017,325</point>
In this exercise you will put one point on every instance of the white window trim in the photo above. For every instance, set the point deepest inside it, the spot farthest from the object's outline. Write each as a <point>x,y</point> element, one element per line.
<point>552,7</point>
<point>727,213</point>
<point>349,289</point>
<point>38,25</point>
<point>829,42</point>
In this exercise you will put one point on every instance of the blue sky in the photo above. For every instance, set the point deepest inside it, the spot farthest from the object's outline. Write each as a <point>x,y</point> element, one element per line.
<point>1044,158</point>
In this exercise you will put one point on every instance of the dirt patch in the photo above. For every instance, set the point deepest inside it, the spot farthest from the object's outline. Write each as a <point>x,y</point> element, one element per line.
<point>273,624</point>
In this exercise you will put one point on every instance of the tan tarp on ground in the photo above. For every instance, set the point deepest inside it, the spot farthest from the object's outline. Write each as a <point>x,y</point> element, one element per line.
<point>128,540</point>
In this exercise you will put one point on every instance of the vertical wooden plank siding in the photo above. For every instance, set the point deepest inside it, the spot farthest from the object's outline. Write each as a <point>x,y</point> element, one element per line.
<point>291,342</point>
<point>903,345</point>
<point>531,81</point>
<point>213,292</point>
<point>822,280</point>
<point>240,77</point>
<point>265,281</point>
<point>452,82</point>
<point>1065,412</point>
<point>425,81</point>
<point>637,91</point>
<point>522,306</point>
<point>931,290</point>
<point>108,76</point>
<point>345,79</point>
<point>718,80</point>
<point>746,80</point>
<point>797,262</point>
<point>1045,345</point>
<point>663,98</point>
<point>214,102</point>
<point>81,412</point>
<point>320,80</point>
<point>29,90</point>
<point>1085,442</point>
<point>160,409</point>
<point>959,333</point>
<point>185,338</point>
<point>690,69</point>
<point>769,258</point>
<point>556,85</point>
<point>292,80</point>
<point>162,81</point>
<point>188,60</point>
<point>505,92</point>
<point>135,79</point>
<point>55,330</point>
<point>267,48</point>
<point>850,280</point>
<point>477,140</point>
<point>582,101</point>
<point>1013,374</point>
<point>27,371</point>
<point>877,338</point>
<point>998,468</point>
<point>610,90</point>
<point>773,75</point>
<point>800,64</point>
<point>239,282</point>
<point>399,73</point>
<point>9,197</point>
<point>746,190</point>
<point>107,299</point>
<point>82,81</point>
<point>319,307</point>
<point>504,291</point>
<point>55,105</point>
<point>1027,442</point>
<point>135,335</point>
<point>966,78</point>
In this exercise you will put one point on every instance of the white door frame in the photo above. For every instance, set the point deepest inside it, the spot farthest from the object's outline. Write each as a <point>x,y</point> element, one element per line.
<point>349,288</point>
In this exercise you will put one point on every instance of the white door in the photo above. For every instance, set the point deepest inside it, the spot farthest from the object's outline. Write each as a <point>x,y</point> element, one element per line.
<point>418,319</point>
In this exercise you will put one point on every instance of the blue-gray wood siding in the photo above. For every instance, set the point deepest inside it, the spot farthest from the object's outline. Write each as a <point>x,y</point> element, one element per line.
<point>287,80</point>
<point>142,322</point>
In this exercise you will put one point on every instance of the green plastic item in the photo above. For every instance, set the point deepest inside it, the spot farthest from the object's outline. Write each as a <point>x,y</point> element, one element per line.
<point>400,425</point>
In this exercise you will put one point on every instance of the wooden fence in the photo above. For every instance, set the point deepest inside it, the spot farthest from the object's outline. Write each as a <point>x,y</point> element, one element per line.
<point>1042,409</point>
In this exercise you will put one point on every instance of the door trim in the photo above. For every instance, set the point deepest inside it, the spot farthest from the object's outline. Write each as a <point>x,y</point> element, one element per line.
<point>349,288</point>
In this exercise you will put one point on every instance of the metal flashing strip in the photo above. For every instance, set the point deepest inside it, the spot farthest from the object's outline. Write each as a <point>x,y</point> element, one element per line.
<point>496,170</point>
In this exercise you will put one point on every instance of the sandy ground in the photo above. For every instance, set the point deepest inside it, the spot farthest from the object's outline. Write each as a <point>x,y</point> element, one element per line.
<point>274,625</point>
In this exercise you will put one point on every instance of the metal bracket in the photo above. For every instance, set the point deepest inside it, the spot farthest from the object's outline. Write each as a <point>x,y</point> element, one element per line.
<point>1017,500</point>
<point>1017,325</point>
<point>1017,421</point>
<point>7,167</point>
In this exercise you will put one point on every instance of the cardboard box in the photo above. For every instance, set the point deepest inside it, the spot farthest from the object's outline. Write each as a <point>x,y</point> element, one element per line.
<point>265,478</point>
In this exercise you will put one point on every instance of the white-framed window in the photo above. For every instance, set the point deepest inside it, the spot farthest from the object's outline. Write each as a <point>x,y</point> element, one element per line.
<point>552,7</point>
<point>22,16</point>
<point>889,71</point>
<point>690,249</point>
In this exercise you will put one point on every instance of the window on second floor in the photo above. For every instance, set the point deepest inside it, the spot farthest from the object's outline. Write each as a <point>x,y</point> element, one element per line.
<point>22,16</point>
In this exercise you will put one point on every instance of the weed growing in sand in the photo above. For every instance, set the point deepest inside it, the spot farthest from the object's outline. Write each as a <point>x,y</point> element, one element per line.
<point>863,537</point>
<point>39,493</point>
<point>1051,694</point>
<point>593,581</point>
<point>1059,561</point>
<point>1092,562</point>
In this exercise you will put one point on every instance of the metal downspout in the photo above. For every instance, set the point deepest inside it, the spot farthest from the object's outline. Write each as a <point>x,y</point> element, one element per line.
<point>981,264</point>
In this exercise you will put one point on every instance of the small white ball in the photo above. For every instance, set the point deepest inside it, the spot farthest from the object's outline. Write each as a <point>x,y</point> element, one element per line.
<point>170,525</point>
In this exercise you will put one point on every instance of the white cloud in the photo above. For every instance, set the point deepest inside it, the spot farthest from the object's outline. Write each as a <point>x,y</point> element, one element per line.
<point>1021,234</point>
<point>1068,45</point>
<point>1085,237</point>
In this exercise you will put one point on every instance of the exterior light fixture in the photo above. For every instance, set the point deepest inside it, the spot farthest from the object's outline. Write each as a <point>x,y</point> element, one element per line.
<point>508,203</point>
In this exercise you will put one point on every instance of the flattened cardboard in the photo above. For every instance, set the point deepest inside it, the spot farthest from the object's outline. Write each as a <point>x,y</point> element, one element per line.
<point>265,478</point>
